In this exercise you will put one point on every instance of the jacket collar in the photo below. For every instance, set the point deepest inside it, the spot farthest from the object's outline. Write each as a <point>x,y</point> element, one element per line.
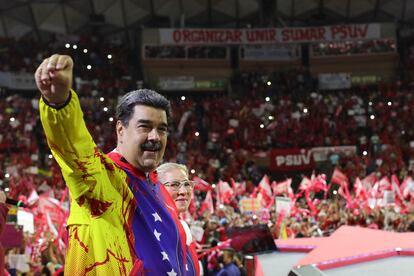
<point>124,164</point>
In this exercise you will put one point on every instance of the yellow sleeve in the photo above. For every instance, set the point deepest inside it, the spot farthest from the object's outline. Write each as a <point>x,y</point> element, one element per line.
<point>71,144</point>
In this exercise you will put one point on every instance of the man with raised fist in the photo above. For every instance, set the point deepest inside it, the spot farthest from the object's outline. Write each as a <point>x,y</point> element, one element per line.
<point>122,221</point>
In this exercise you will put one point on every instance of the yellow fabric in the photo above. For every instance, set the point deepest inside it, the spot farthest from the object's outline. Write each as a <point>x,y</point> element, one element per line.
<point>101,202</point>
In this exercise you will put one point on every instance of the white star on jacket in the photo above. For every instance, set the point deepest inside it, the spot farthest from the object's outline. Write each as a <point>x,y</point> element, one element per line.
<point>157,217</point>
<point>157,234</point>
<point>164,256</point>
<point>172,273</point>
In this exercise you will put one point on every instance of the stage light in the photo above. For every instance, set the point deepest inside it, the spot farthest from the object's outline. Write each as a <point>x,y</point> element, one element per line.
<point>335,192</point>
<point>365,153</point>
<point>67,45</point>
<point>183,98</point>
<point>102,99</point>
<point>254,217</point>
<point>75,46</point>
<point>89,67</point>
<point>50,156</point>
<point>7,189</point>
<point>213,186</point>
<point>85,50</point>
<point>105,109</point>
<point>372,117</point>
<point>111,119</point>
<point>267,99</point>
<point>269,83</point>
<point>109,56</point>
<point>389,103</point>
<point>305,110</point>
<point>7,175</point>
<point>370,103</point>
<point>261,125</point>
<point>197,133</point>
<point>271,117</point>
<point>12,119</point>
<point>192,171</point>
<point>221,206</point>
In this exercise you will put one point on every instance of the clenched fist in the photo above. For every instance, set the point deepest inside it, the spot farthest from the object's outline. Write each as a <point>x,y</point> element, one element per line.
<point>54,78</point>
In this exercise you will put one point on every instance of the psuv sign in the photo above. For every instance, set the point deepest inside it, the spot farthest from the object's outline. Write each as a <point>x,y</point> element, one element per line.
<point>291,159</point>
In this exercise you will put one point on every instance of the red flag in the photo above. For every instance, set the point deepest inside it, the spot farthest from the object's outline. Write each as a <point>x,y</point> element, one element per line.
<point>339,177</point>
<point>225,192</point>
<point>283,188</point>
<point>265,190</point>
<point>319,183</point>
<point>360,192</point>
<point>238,188</point>
<point>395,183</point>
<point>407,186</point>
<point>201,185</point>
<point>207,204</point>
<point>369,181</point>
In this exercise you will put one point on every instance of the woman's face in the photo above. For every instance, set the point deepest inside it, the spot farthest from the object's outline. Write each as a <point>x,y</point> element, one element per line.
<point>178,186</point>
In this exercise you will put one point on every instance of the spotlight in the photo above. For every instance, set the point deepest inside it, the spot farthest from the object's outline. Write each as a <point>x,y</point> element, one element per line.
<point>12,119</point>
<point>111,119</point>
<point>67,45</point>
<point>183,98</point>
<point>389,103</point>
<point>364,153</point>
<point>261,125</point>
<point>372,117</point>
<point>197,133</point>
<point>75,46</point>
<point>102,99</point>
<point>305,110</point>
<point>271,117</point>
<point>85,50</point>
<point>109,56</point>
<point>7,175</point>
<point>269,83</point>
<point>89,67</point>
<point>267,99</point>
<point>50,156</point>
<point>105,109</point>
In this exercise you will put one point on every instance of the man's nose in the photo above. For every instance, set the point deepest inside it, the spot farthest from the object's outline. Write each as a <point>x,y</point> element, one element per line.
<point>153,134</point>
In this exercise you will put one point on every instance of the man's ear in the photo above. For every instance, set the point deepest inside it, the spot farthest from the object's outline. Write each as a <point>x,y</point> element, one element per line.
<point>120,129</point>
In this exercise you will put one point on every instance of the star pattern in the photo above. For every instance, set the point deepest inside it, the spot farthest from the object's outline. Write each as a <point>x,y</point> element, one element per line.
<point>172,273</point>
<point>164,256</point>
<point>157,234</point>
<point>156,217</point>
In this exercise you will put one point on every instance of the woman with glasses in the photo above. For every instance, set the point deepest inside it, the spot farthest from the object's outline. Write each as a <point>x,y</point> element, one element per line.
<point>175,179</point>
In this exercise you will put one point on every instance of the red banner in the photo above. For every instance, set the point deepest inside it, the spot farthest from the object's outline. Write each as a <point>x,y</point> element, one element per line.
<point>270,35</point>
<point>291,160</point>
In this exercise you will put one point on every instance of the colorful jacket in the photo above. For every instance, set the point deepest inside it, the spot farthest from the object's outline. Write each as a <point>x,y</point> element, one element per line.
<point>122,221</point>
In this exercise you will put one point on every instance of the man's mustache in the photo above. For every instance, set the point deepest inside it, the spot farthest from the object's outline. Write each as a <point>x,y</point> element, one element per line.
<point>151,146</point>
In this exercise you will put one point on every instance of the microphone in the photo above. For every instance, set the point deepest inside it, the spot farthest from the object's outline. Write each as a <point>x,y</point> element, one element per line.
<point>15,202</point>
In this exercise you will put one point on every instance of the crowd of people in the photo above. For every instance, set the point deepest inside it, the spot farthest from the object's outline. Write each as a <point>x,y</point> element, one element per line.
<point>214,135</point>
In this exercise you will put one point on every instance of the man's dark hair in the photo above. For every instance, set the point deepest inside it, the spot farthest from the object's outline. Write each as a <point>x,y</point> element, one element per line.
<point>147,97</point>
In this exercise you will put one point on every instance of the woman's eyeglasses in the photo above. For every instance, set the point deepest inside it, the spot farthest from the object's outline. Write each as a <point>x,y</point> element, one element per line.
<point>176,185</point>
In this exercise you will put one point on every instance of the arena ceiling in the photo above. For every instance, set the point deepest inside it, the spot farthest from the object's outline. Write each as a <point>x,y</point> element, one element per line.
<point>22,17</point>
